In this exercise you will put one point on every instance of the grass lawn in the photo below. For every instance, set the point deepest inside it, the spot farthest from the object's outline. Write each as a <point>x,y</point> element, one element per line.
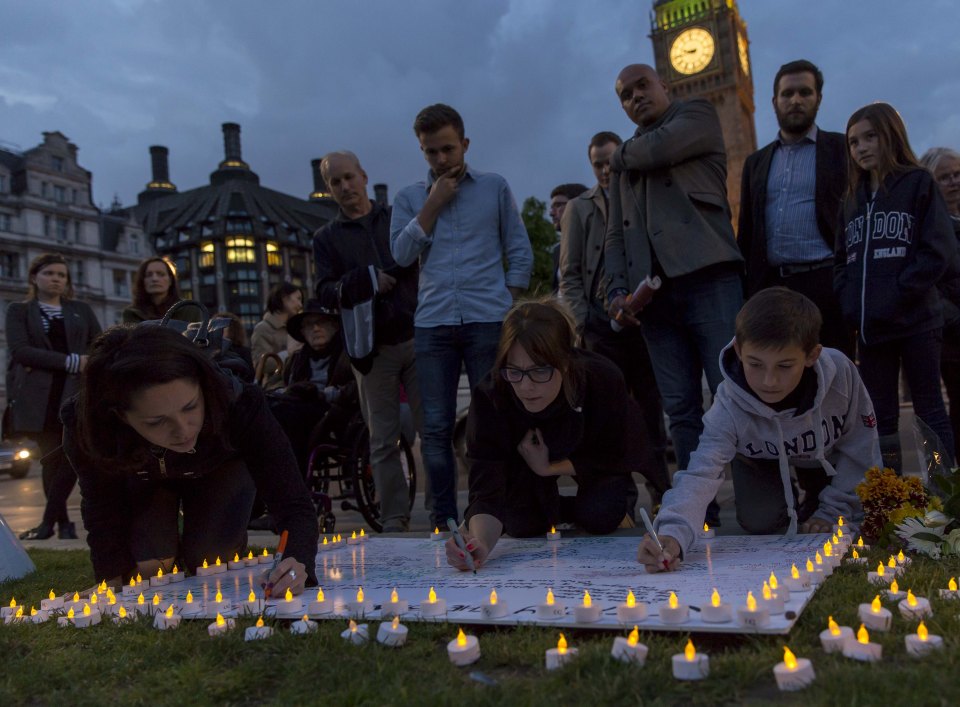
<point>136,664</point>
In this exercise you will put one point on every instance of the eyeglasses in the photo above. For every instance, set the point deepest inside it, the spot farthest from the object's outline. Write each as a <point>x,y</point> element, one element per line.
<point>538,374</point>
<point>952,178</point>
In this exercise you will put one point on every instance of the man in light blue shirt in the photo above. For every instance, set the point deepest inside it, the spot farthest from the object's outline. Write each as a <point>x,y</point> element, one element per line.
<point>462,224</point>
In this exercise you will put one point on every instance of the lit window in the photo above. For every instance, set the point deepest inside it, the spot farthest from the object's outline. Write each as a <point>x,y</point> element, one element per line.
<point>241,250</point>
<point>274,259</point>
<point>207,259</point>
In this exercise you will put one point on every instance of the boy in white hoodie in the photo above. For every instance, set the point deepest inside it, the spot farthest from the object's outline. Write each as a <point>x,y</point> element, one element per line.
<point>785,400</point>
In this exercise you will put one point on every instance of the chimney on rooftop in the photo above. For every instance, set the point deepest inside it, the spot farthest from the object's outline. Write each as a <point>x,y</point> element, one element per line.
<point>231,147</point>
<point>159,163</point>
<point>320,188</point>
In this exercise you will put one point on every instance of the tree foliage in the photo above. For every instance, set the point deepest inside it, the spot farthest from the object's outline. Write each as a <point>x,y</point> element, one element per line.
<point>543,238</point>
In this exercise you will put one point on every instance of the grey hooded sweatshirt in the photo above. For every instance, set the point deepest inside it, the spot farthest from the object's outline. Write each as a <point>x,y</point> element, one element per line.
<point>838,432</point>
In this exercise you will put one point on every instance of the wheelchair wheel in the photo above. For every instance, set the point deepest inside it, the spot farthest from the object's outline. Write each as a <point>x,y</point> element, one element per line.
<point>364,486</point>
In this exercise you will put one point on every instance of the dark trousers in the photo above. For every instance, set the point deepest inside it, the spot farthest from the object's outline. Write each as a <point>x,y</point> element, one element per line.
<point>758,490</point>
<point>58,475</point>
<point>534,504</point>
<point>817,285</point>
<point>216,509</point>
<point>919,356</point>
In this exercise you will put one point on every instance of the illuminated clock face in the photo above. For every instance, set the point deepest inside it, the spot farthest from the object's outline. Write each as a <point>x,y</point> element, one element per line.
<point>692,50</point>
<point>744,59</point>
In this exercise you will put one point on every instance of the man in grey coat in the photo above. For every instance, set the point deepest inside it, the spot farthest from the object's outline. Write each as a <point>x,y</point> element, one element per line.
<point>669,217</point>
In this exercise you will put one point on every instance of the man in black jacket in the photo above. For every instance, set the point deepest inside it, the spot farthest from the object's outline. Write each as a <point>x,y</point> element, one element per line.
<point>344,250</point>
<point>790,201</point>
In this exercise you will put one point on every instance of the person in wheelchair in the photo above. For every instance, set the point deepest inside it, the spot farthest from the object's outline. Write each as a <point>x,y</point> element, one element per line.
<point>546,410</point>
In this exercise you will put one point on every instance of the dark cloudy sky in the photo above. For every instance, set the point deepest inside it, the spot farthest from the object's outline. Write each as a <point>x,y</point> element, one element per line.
<point>532,78</point>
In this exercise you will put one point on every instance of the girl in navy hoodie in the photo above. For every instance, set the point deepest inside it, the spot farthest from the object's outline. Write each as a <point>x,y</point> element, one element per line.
<point>896,245</point>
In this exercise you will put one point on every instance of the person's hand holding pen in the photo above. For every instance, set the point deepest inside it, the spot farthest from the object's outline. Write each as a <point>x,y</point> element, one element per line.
<point>649,555</point>
<point>289,574</point>
<point>476,548</point>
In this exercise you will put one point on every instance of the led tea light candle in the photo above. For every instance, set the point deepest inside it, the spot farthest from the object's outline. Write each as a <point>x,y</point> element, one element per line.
<point>797,581</point>
<point>561,655</point>
<point>874,616</point>
<point>141,606</point>
<point>291,607</point>
<point>672,611</point>
<point>253,606</point>
<point>320,605</point>
<point>258,631</point>
<point>221,626</point>
<point>922,642</point>
<point>861,649</point>
<point>433,608</point>
<point>325,545</point>
<point>303,626</point>
<point>860,545</point>
<point>52,602</point>
<point>250,560</point>
<point>716,612</point>
<point>39,617</point>
<point>894,593</point>
<point>236,563</point>
<point>855,558</point>
<point>436,535</point>
<point>493,608</point>
<point>881,576</point>
<point>160,580</point>
<point>631,611</point>
<point>838,526</point>
<point>824,568</point>
<point>102,587</point>
<point>265,557</point>
<point>914,607</point>
<point>14,618</point>
<point>164,620</point>
<point>66,619</point>
<point>109,606</point>
<point>363,536</point>
<point>355,634</point>
<point>154,607</point>
<point>587,612</point>
<point>951,592</point>
<point>219,604</point>
<point>353,539</point>
<point>75,603</point>
<point>395,607</point>
<point>770,601</point>
<point>176,575</point>
<point>707,532</point>
<point>189,608</point>
<point>554,534</point>
<point>551,608</point>
<point>139,579</point>
<point>751,614</point>
<point>814,572</point>
<point>779,589</point>
<point>463,650</point>
<point>122,616</point>
<point>629,649</point>
<point>830,558</point>
<point>87,617</point>
<point>392,633</point>
<point>893,567</point>
<point>835,637</point>
<point>903,560</point>
<point>690,665</point>
<point>207,570</point>
<point>130,590</point>
<point>793,673</point>
<point>360,606</point>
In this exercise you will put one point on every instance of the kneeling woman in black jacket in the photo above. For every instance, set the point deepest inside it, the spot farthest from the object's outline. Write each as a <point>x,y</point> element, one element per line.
<point>156,427</point>
<point>547,410</point>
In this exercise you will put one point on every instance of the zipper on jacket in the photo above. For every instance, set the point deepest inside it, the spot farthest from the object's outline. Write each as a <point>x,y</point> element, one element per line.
<point>863,280</point>
<point>161,459</point>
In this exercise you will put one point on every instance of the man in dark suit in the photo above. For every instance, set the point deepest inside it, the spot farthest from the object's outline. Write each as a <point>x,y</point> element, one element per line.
<point>790,201</point>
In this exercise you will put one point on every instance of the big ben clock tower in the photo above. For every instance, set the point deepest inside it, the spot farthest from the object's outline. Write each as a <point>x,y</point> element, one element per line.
<point>701,50</point>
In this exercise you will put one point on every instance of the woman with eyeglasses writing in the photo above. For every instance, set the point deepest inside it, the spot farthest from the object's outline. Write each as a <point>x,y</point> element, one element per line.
<point>547,410</point>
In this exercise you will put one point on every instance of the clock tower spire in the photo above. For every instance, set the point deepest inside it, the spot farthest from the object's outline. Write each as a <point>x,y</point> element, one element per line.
<point>701,50</point>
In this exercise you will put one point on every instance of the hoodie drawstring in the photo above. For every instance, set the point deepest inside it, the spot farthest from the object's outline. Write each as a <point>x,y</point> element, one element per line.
<point>784,467</point>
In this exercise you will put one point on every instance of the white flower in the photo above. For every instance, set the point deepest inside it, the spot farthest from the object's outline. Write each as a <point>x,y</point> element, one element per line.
<point>935,519</point>
<point>952,541</point>
<point>911,527</point>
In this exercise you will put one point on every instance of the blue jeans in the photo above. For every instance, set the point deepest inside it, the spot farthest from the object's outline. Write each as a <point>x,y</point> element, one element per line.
<point>441,353</point>
<point>686,326</point>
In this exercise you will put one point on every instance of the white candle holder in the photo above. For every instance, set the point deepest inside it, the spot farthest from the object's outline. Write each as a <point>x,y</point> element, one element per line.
<point>716,614</point>
<point>626,652</point>
<point>251,561</point>
<point>14,619</point>
<point>920,610</point>
<point>303,627</point>
<point>252,608</point>
<point>465,654</point>
<point>163,622</point>
<point>40,617</point>
<point>834,643</point>
<point>950,593</point>
<point>555,659</point>
<point>80,620</point>
<point>708,534</point>
<point>433,609</point>
<point>918,648</point>
<point>673,615</point>
<point>160,581</point>
<point>214,630</point>
<point>394,608</point>
<point>586,614</point>
<point>553,536</point>
<point>356,637</point>
<point>799,584</point>
<point>891,595</point>
<point>176,577</point>
<point>816,576</point>
<point>238,564</point>
<point>556,610</point>
<point>315,608</point>
<point>211,570</point>
<point>758,618</point>
<point>51,604</point>
<point>212,606</point>
<point>875,620</point>
<point>390,635</point>
<point>881,579</point>
<point>696,669</point>
<point>774,605</point>
<point>857,561</point>
<point>438,536</point>
<point>490,611</point>
<point>864,652</point>
<point>631,614</point>
<point>265,559</point>
<point>193,610</point>
<point>353,540</point>
<point>130,591</point>
<point>292,609</point>
<point>796,679</point>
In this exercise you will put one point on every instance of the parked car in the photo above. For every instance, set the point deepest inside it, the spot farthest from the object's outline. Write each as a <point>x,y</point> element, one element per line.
<point>15,458</point>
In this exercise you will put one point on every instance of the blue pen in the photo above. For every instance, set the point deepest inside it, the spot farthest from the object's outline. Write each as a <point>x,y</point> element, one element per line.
<point>452,524</point>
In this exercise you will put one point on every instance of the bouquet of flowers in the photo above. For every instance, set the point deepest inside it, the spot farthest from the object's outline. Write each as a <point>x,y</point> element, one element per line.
<point>935,532</point>
<point>887,500</point>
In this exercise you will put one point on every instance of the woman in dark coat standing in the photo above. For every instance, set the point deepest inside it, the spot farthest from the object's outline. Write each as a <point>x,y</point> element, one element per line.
<point>48,335</point>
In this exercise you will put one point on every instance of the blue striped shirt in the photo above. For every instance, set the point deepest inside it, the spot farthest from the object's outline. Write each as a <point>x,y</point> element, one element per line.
<point>793,236</point>
<point>462,278</point>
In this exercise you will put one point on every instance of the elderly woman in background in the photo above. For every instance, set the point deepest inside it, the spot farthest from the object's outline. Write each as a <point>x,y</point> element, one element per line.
<point>944,164</point>
<point>48,335</point>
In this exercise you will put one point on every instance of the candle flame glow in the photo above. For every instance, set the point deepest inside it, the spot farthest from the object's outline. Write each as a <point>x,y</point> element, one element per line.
<point>631,600</point>
<point>320,596</point>
<point>493,597</point>
<point>70,613</point>
<point>894,587</point>
<point>156,600</point>
<point>839,534</point>
<point>218,597</point>
<point>751,602</point>
<point>706,528</point>
<point>562,645</point>
<point>549,597</point>
<point>236,557</point>
<point>52,595</point>
<point>880,570</point>
<point>856,555</point>
<point>587,601</point>
<point>325,540</point>
<point>394,597</point>
<point>819,558</point>
<point>860,541</point>
<point>395,623</point>
<point>767,594</point>
<point>139,578</point>
<point>634,637</point>
<point>922,632</point>
<point>836,539</point>
<point>260,621</point>
<point>840,521</point>
<point>86,609</point>
<point>827,550</point>
<point>76,599</point>
<point>892,562</point>
<point>789,659</point>
<point>901,557</point>
<point>288,596</point>
<point>715,597</point>
<point>205,565</point>
<point>436,531</point>
<point>773,582</point>
<point>952,585</point>
<point>111,598</point>
<point>690,653</point>
<point>911,599</point>
<point>265,553</point>
<point>217,563</point>
<point>809,565</point>
<point>170,611</point>
<point>249,554</point>
<point>461,639</point>
<point>93,599</point>
<point>189,597</point>
<point>353,626</point>
<point>552,530</point>
<point>141,600</point>
<point>862,635</point>
<point>672,601</point>
<point>832,626</point>
<point>220,620</point>
<point>19,614</point>
<point>432,596</point>
<point>133,582</point>
<point>122,613</point>
<point>175,569</point>
<point>251,597</point>
<point>875,605</point>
